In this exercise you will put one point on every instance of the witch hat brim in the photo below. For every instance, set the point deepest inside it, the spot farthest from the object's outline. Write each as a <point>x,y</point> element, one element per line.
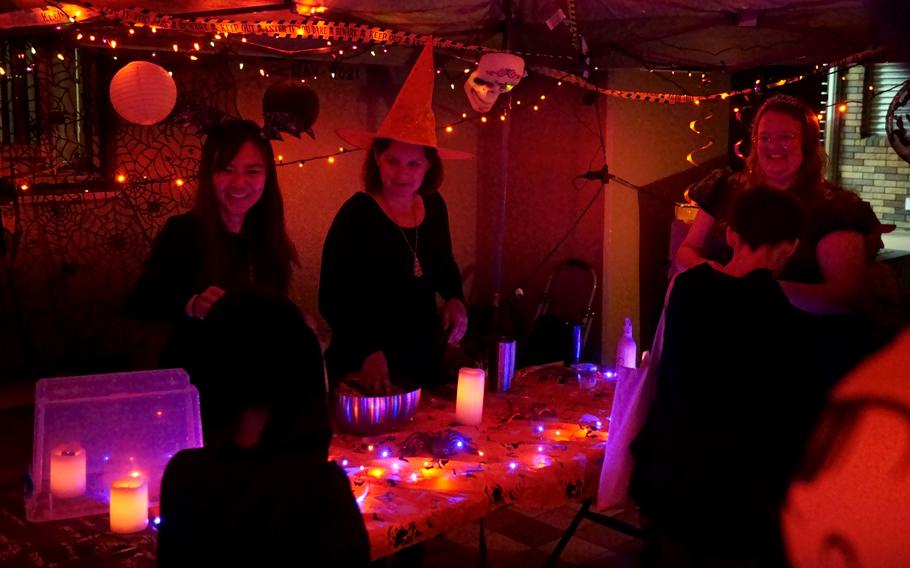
<point>411,119</point>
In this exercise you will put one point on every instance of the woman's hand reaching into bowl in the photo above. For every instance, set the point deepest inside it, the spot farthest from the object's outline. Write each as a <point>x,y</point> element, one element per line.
<point>455,319</point>
<point>373,377</point>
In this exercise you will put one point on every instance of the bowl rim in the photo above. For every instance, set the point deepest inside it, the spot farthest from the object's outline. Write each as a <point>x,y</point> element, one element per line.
<point>338,395</point>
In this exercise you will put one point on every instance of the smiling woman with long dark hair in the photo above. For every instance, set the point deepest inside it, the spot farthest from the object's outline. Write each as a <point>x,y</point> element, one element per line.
<point>233,239</point>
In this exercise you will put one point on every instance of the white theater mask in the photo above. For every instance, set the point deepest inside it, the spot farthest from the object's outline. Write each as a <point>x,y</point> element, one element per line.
<point>481,94</point>
<point>496,73</point>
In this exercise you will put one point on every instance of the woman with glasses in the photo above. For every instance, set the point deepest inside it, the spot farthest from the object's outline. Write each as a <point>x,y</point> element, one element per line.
<point>825,275</point>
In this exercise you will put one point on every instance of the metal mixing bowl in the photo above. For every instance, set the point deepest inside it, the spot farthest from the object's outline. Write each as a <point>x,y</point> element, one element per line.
<point>370,415</point>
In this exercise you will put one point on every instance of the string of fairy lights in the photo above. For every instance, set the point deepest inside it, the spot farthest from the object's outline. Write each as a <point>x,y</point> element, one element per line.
<point>199,46</point>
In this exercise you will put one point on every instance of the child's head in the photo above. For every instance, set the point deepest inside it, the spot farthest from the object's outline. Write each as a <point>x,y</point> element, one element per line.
<point>765,227</point>
<point>265,372</point>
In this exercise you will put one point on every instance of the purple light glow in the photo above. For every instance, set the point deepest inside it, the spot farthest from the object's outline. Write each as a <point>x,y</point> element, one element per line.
<point>540,429</point>
<point>513,465</point>
<point>385,453</point>
<point>344,463</point>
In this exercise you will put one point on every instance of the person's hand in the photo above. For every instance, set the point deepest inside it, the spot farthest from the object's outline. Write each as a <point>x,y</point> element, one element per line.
<point>455,319</point>
<point>199,305</point>
<point>322,335</point>
<point>374,375</point>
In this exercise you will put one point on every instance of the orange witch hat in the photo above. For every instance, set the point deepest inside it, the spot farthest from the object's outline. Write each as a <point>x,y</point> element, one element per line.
<point>411,119</point>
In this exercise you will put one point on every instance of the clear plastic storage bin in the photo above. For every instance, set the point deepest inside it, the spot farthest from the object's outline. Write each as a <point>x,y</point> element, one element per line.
<point>93,430</point>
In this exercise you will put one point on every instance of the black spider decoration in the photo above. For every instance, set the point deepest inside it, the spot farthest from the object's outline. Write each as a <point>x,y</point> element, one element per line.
<point>443,444</point>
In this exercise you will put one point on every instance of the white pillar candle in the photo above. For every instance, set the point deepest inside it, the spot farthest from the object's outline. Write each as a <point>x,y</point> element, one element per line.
<point>129,505</point>
<point>67,471</point>
<point>469,400</point>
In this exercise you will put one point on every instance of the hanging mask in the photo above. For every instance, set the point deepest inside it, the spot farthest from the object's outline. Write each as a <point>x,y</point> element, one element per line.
<point>496,73</point>
<point>481,94</point>
<point>503,70</point>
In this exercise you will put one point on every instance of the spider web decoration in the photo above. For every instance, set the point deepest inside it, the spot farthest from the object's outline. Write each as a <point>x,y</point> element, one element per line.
<point>77,251</point>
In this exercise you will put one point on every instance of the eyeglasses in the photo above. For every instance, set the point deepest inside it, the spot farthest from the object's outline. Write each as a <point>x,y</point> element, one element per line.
<point>786,140</point>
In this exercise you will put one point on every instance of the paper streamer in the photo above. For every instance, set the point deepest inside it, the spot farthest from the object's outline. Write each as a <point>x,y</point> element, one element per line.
<point>319,28</point>
<point>307,28</point>
<point>693,126</point>
<point>737,149</point>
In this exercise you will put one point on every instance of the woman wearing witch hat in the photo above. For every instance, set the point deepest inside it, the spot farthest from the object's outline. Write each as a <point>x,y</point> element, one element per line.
<point>388,252</point>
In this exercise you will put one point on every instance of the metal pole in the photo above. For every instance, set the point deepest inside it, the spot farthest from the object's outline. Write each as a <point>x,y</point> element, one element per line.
<point>499,233</point>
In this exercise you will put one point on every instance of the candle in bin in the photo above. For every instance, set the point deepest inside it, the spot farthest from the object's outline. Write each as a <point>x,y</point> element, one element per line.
<point>129,505</point>
<point>469,399</point>
<point>68,471</point>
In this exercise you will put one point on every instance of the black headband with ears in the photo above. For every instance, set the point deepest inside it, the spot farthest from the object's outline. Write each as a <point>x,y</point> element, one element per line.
<point>198,117</point>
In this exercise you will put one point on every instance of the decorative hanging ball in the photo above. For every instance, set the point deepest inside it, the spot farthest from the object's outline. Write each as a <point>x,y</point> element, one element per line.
<point>289,106</point>
<point>897,122</point>
<point>143,93</point>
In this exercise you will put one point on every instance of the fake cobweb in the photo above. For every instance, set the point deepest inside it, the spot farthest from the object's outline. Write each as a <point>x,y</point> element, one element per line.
<point>74,249</point>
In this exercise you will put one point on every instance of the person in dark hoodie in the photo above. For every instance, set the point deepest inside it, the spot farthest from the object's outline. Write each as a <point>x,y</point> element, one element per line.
<point>733,403</point>
<point>262,489</point>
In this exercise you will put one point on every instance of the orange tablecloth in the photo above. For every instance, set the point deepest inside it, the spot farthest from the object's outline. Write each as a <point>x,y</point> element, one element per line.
<point>540,445</point>
<point>554,466</point>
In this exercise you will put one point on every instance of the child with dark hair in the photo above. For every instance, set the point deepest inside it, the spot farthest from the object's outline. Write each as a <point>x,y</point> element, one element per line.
<point>262,490</point>
<point>731,409</point>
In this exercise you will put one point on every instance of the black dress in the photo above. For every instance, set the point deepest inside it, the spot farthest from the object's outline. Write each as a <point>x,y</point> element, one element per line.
<point>371,297</point>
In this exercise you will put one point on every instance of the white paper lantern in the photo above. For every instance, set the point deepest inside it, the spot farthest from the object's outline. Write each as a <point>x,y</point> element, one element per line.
<point>143,93</point>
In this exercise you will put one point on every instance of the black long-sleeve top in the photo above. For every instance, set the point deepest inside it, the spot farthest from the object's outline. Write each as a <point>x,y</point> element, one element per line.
<point>174,271</point>
<point>370,296</point>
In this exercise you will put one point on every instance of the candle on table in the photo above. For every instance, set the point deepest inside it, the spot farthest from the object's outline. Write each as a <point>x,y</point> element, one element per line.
<point>469,399</point>
<point>129,505</point>
<point>68,471</point>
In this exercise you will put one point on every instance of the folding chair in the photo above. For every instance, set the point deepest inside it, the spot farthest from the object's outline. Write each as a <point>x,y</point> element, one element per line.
<point>567,300</point>
<point>585,512</point>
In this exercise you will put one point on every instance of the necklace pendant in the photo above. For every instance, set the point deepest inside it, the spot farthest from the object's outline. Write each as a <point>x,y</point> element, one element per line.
<point>418,270</point>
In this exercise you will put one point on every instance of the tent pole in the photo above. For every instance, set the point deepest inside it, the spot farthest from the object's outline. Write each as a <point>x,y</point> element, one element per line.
<point>502,192</point>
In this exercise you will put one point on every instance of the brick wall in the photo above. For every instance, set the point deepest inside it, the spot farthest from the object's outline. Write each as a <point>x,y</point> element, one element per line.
<point>869,165</point>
